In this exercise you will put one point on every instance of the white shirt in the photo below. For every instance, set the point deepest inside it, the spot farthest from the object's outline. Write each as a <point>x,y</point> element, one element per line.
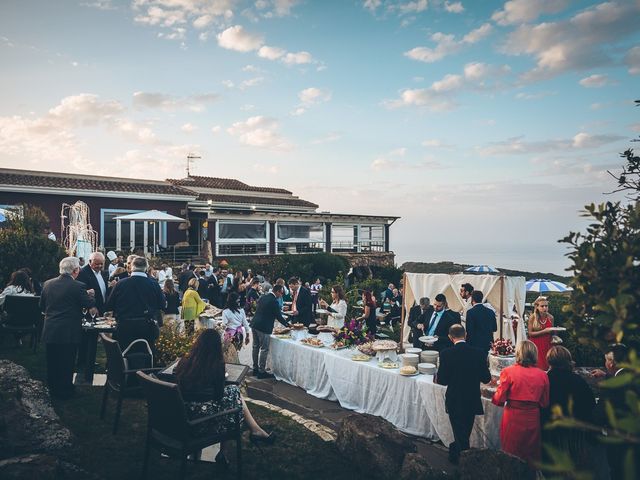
<point>103,286</point>
<point>112,268</point>
<point>337,319</point>
<point>232,320</point>
<point>162,277</point>
<point>208,272</point>
<point>13,290</point>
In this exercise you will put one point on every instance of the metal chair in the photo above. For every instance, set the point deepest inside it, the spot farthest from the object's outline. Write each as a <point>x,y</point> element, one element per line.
<point>172,433</point>
<point>23,317</point>
<point>117,378</point>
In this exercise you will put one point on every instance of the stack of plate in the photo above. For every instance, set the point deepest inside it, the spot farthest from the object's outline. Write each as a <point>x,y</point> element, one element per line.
<point>429,356</point>
<point>409,359</point>
<point>417,351</point>
<point>427,368</point>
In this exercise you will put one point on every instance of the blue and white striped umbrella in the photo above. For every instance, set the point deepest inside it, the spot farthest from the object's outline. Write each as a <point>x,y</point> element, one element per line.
<point>482,269</point>
<point>542,285</point>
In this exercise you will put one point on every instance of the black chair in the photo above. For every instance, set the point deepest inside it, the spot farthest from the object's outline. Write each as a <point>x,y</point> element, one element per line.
<point>118,378</point>
<point>22,317</point>
<point>172,433</point>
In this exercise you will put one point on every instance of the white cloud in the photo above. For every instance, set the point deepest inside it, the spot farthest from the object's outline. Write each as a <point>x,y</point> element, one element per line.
<point>453,7</point>
<point>188,128</point>
<point>216,129</point>
<point>288,58</point>
<point>238,39</point>
<point>523,11</point>
<point>533,96</point>
<point>414,6</point>
<point>260,132</point>
<point>328,138</point>
<point>518,146</point>
<point>297,58</point>
<point>435,143</point>
<point>596,81</point>
<point>439,96</point>
<point>166,102</point>
<point>99,4</point>
<point>586,40</point>
<point>271,53</point>
<point>203,21</point>
<point>309,97</point>
<point>276,8</point>
<point>632,59</point>
<point>446,44</point>
<point>251,82</point>
<point>372,5</point>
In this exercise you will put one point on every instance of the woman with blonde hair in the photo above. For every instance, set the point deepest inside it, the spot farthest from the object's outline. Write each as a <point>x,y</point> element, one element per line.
<point>540,326</point>
<point>192,305</point>
<point>523,390</point>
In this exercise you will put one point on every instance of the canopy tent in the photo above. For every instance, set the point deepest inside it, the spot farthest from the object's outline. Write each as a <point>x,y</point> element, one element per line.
<point>418,285</point>
<point>543,285</point>
<point>153,216</point>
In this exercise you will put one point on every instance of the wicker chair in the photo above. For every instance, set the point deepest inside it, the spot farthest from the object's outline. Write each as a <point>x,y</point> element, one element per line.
<point>118,378</point>
<point>172,433</point>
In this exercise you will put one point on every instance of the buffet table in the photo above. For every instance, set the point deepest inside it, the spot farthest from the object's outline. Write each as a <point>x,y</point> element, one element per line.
<point>415,405</point>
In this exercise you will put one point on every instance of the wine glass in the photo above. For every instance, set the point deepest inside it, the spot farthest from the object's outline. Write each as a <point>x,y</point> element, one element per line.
<point>84,313</point>
<point>93,316</point>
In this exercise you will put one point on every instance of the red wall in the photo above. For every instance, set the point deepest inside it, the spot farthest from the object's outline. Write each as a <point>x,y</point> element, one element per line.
<point>52,206</point>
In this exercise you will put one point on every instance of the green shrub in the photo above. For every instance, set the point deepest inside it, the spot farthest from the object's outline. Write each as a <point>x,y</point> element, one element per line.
<point>172,344</point>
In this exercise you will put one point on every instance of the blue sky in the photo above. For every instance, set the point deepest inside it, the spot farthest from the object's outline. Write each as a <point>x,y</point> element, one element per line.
<point>485,125</point>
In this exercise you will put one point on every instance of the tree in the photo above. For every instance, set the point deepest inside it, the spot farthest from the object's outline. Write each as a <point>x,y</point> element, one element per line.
<point>24,243</point>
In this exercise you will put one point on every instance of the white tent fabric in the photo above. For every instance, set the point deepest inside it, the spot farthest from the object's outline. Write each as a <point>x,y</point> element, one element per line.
<point>151,216</point>
<point>418,285</point>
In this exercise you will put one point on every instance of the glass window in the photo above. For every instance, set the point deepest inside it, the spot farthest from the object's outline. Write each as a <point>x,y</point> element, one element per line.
<point>343,233</point>
<point>301,232</point>
<point>371,233</point>
<point>242,231</point>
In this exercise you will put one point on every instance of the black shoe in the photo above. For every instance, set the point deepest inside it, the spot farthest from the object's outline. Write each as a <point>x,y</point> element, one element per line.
<point>222,461</point>
<point>264,375</point>
<point>255,372</point>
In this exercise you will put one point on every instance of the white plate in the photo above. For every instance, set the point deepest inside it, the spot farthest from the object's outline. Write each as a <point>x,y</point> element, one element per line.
<point>559,329</point>
<point>428,339</point>
<point>322,311</point>
<point>410,374</point>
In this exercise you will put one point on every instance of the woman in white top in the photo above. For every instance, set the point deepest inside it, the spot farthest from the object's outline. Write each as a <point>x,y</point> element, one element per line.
<point>337,309</point>
<point>234,320</point>
<point>19,284</point>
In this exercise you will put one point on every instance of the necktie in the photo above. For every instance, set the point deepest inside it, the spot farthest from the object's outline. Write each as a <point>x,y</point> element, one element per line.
<point>432,322</point>
<point>294,307</point>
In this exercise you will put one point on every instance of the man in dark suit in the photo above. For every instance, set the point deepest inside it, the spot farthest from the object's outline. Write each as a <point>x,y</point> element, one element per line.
<point>267,312</point>
<point>135,302</point>
<point>419,317</point>
<point>62,301</point>
<point>481,323</point>
<point>96,279</point>
<point>441,320</point>
<point>214,288</point>
<point>301,307</point>
<point>462,368</point>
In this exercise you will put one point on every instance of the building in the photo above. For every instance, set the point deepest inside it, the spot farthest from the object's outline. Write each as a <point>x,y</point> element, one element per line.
<point>225,215</point>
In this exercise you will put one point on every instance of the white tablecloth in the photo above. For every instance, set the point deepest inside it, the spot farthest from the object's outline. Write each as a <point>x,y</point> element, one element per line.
<point>415,405</point>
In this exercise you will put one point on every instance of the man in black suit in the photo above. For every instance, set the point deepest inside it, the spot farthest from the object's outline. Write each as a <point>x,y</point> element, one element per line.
<point>441,320</point>
<point>419,317</point>
<point>462,368</point>
<point>62,301</point>
<point>135,302</point>
<point>214,288</point>
<point>481,323</point>
<point>301,307</point>
<point>96,279</point>
<point>267,312</point>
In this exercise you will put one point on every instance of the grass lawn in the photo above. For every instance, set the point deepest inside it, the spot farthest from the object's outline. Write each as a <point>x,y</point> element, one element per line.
<point>297,453</point>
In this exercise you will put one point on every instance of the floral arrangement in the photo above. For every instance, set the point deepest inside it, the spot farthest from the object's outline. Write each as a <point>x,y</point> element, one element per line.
<point>502,347</point>
<point>352,333</point>
<point>172,343</point>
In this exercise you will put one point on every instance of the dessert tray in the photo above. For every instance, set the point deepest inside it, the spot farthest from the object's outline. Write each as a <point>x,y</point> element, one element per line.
<point>360,357</point>
<point>383,345</point>
<point>339,345</point>
<point>312,342</point>
<point>281,331</point>
<point>366,348</point>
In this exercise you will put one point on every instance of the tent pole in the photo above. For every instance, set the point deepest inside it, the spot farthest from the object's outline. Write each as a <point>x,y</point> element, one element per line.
<point>501,302</point>
<point>404,294</point>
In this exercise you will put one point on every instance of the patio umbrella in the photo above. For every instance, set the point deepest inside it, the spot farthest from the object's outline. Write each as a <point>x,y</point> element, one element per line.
<point>543,285</point>
<point>482,269</point>
<point>151,216</point>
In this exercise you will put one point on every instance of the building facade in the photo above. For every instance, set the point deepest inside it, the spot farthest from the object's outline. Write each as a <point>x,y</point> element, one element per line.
<point>225,217</point>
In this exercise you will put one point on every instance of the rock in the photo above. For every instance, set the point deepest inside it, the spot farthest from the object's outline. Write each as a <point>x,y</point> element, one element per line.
<point>373,444</point>
<point>28,422</point>
<point>416,467</point>
<point>480,464</point>
<point>41,467</point>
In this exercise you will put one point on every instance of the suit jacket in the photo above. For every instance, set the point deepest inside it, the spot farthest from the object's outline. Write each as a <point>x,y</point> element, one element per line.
<point>62,301</point>
<point>481,323</point>
<point>416,316</point>
<point>462,368</point>
<point>304,306</point>
<point>449,317</point>
<point>136,297</point>
<point>87,277</point>
<point>267,312</point>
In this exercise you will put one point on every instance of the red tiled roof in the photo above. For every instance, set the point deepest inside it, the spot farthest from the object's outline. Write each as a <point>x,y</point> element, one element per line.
<point>288,202</point>
<point>28,178</point>
<point>222,183</point>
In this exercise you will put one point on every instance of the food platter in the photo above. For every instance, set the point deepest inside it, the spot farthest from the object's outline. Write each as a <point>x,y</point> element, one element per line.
<point>297,326</point>
<point>326,328</point>
<point>388,365</point>
<point>360,357</point>
<point>284,336</point>
<point>366,349</point>
<point>281,331</point>
<point>384,345</point>
<point>312,342</point>
<point>339,345</point>
<point>410,374</point>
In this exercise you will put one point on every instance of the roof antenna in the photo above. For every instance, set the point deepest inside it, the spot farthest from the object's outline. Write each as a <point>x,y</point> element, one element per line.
<point>190,158</point>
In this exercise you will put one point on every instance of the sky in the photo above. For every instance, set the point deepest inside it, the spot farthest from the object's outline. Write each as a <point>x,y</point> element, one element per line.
<point>485,125</point>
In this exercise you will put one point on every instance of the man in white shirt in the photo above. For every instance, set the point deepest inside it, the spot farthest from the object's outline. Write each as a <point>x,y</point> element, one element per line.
<point>113,261</point>
<point>208,270</point>
<point>96,279</point>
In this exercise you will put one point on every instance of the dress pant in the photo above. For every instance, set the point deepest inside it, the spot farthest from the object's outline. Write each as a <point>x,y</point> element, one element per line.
<point>260,350</point>
<point>461,424</point>
<point>61,359</point>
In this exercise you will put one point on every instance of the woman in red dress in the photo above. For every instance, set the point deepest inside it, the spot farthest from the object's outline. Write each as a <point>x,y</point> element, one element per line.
<point>540,327</point>
<point>523,390</point>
